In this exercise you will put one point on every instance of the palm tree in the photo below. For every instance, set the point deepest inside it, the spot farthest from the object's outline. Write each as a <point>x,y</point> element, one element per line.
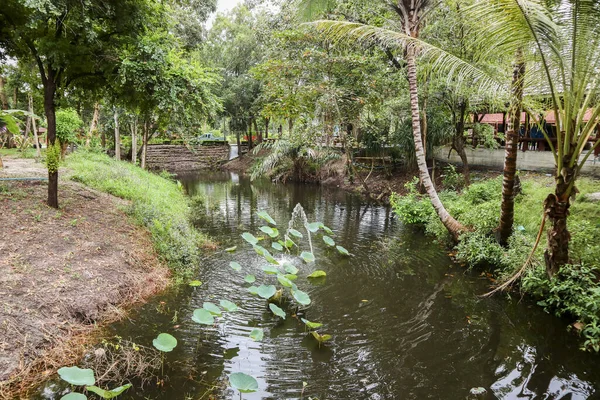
<point>565,38</point>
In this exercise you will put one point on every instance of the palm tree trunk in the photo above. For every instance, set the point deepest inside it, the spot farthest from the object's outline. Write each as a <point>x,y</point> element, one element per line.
<point>453,226</point>
<point>507,208</point>
<point>556,207</point>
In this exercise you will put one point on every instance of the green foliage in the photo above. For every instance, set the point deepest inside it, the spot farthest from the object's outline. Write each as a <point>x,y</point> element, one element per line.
<point>53,157</point>
<point>77,376</point>
<point>452,179</point>
<point>67,124</point>
<point>477,248</point>
<point>412,209</point>
<point>157,203</point>
<point>164,342</point>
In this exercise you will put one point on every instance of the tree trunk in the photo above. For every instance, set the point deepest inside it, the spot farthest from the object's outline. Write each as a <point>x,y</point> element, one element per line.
<point>453,226</point>
<point>266,128</point>
<point>250,134</point>
<point>458,141</point>
<point>50,111</point>
<point>259,135</point>
<point>291,126</point>
<point>134,125</point>
<point>38,152</point>
<point>556,207</point>
<point>117,137</point>
<point>3,98</point>
<point>144,145</point>
<point>507,208</point>
<point>93,124</point>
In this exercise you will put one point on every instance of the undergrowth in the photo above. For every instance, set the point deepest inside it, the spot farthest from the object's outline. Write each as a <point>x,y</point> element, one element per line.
<point>574,293</point>
<point>157,202</point>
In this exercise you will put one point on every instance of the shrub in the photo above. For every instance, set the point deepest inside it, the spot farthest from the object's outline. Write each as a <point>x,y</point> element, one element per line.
<point>412,209</point>
<point>67,123</point>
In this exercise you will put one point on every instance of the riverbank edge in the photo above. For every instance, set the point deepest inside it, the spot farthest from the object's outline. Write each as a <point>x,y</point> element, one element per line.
<point>163,273</point>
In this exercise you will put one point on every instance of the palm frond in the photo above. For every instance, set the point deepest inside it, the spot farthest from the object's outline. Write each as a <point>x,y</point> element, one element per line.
<point>443,62</point>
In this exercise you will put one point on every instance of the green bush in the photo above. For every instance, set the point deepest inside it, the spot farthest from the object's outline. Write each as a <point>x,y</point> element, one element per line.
<point>412,209</point>
<point>67,123</point>
<point>157,203</point>
<point>477,248</point>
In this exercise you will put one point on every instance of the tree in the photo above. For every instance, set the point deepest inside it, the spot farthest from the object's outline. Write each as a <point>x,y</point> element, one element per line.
<point>72,42</point>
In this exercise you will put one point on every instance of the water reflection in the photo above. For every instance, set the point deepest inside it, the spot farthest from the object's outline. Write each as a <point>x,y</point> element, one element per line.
<point>406,322</point>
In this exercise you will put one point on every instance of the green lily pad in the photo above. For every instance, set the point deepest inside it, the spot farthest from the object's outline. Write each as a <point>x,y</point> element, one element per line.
<point>295,233</point>
<point>290,268</point>
<point>307,256</point>
<point>263,215</point>
<point>291,277</point>
<point>289,243</point>
<point>74,396</point>
<point>231,249</point>
<point>271,259</point>
<point>266,291</point>
<point>164,342</point>
<point>328,241</point>
<point>317,274</point>
<point>235,266</point>
<point>228,305</point>
<point>270,270</point>
<point>313,226</point>
<point>257,334</point>
<point>342,250</point>
<point>284,281</point>
<point>250,278</point>
<point>277,246</point>
<point>108,394</point>
<point>77,376</point>
<point>321,338</point>
<point>211,308</point>
<point>267,229</point>
<point>277,311</point>
<point>261,251</point>
<point>242,382</point>
<point>248,237</point>
<point>195,283</point>
<point>253,290</point>
<point>301,297</point>
<point>326,229</point>
<point>311,325</point>
<point>202,316</point>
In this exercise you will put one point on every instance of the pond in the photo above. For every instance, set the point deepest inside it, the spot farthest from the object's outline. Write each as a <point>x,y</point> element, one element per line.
<point>406,322</point>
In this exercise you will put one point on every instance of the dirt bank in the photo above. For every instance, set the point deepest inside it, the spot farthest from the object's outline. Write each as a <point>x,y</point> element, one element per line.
<point>63,273</point>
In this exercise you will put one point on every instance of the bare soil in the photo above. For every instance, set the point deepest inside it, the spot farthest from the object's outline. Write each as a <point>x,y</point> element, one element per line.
<point>63,273</point>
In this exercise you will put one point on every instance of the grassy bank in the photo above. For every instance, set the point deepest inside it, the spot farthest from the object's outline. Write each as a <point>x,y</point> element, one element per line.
<point>574,293</point>
<point>158,203</point>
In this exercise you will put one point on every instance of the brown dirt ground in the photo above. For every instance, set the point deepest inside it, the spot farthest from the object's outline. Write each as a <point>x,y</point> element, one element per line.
<point>63,273</point>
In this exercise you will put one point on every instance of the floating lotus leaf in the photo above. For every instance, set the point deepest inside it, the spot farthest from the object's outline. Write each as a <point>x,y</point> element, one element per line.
<point>277,311</point>
<point>317,274</point>
<point>228,305</point>
<point>211,308</point>
<point>301,297</point>
<point>266,291</point>
<point>250,278</point>
<point>284,281</point>
<point>164,342</point>
<point>311,325</point>
<point>313,226</point>
<point>307,256</point>
<point>108,394</point>
<point>266,217</point>
<point>257,334</point>
<point>74,396</point>
<point>277,246</point>
<point>202,316</point>
<point>290,268</point>
<point>291,277</point>
<point>261,251</point>
<point>242,382</point>
<point>271,259</point>
<point>289,243</point>
<point>342,250</point>
<point>326,229</point>
<point>253,290</point>
<point>235,266</point>
<point>295,233</point>
<point>248,237</point>
<point>231,249</point>
<point>328,241</point>
<point>195,283</point>
<point>270,270</point>
<point>77,376</point>
<point>321,338</point>
<point>267,229</point>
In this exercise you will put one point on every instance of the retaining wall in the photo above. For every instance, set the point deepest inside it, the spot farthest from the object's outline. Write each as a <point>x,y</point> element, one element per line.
<point>180,158</point>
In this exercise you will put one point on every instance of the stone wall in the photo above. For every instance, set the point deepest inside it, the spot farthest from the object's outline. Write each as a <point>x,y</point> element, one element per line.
<point>528,161</point>
<point>179,158</point>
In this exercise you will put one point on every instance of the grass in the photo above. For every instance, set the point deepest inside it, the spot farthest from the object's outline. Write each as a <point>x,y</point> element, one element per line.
<point>158,203</point>
<point>574,293</point>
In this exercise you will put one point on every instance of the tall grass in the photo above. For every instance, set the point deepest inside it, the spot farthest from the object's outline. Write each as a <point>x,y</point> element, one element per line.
<point>156,202</point>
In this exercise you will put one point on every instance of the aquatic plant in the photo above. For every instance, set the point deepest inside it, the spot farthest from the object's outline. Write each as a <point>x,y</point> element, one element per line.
<point>164,343</point>
<point>77,376</point>
<point>243,382</point>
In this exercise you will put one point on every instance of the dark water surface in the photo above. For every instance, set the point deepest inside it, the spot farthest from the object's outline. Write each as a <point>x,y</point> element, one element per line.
<point>406,321</point>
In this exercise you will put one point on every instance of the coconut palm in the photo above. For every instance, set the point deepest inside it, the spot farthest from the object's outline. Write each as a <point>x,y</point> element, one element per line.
<point>566,41</point>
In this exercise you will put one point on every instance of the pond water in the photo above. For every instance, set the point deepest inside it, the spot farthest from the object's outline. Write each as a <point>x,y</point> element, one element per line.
<point>407,323</point>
